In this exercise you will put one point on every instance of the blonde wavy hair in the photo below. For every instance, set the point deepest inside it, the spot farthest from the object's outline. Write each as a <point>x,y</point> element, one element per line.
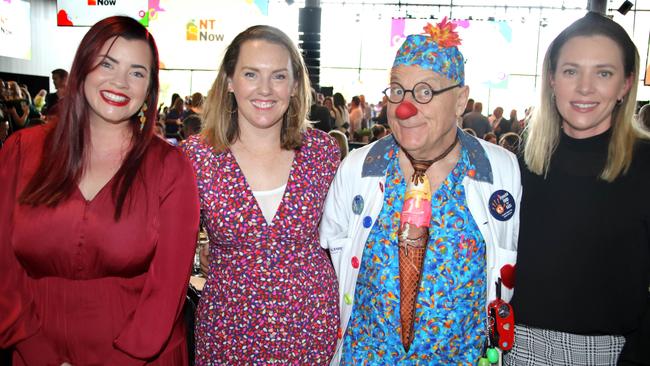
<point>220,115</point>
<point>542,133</point>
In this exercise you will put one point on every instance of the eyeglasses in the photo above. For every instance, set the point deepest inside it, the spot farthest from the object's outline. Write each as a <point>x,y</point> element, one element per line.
<point>422,92</point>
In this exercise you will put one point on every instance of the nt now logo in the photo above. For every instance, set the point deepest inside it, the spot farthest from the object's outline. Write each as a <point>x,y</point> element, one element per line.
<point>101,2</point>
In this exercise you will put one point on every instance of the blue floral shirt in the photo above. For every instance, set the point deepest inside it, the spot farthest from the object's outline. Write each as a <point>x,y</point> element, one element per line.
<point>450,317</point>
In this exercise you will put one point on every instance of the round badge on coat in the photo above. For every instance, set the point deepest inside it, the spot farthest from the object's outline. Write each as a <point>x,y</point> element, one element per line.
<point>357,204</point>
<point>502,205</point>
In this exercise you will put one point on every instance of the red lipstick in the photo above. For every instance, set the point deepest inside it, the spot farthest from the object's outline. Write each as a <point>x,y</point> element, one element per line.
<point>114,98</point>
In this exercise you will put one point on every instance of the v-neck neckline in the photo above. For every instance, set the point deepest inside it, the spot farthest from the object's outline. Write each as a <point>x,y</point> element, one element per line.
<point>101,190</point>
<point>248,192</point>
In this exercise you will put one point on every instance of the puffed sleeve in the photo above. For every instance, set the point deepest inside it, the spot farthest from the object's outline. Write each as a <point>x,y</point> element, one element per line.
<point>19,323</point>
<point>163,295</point>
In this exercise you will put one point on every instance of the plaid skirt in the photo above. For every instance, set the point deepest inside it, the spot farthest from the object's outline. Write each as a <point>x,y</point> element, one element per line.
<point>534,347</point>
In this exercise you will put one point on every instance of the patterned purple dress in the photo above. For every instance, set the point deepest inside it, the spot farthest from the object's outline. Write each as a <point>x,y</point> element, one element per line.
<point>271,293</point>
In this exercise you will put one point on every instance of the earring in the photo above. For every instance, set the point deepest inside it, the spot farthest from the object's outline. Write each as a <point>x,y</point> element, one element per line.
<point>619,101</point>
<point>143,118</point>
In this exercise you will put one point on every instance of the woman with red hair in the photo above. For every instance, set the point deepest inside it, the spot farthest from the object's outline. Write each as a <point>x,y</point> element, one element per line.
<point>98,218</point>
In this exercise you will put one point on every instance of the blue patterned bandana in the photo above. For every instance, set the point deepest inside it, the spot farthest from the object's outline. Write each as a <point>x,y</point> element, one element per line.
<point>434,51</point>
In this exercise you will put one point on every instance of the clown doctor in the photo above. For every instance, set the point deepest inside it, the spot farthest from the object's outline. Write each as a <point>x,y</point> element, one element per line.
<point>422,224</point>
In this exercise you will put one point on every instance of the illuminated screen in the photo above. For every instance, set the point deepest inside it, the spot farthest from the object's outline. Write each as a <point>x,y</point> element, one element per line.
<point>85,13</point>
<point>15,29</point>
<point>192,35</point>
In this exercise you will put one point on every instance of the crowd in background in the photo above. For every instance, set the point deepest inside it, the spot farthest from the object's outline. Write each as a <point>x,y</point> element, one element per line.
<point>369,120</point>
<point>360,122</point>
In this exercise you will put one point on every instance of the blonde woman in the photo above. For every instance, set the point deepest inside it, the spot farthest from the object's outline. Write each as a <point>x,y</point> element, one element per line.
<point>270,295</point>
<point>583,259</point>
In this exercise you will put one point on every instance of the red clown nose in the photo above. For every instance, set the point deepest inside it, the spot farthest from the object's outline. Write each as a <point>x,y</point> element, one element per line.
<point>406,110</point>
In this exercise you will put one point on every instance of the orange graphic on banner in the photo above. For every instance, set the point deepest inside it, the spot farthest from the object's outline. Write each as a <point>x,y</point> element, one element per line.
<point>192,31</point>
<point>92,2</point>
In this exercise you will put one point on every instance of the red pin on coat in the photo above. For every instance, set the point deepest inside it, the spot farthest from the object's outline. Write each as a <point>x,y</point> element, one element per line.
<point>508,275</point>
<point>406,110</point>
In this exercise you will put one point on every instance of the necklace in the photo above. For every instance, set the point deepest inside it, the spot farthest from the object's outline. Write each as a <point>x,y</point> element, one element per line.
<point>421,166</point>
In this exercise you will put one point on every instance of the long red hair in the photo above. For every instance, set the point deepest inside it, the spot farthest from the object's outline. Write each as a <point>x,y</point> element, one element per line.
<point>66,144</point>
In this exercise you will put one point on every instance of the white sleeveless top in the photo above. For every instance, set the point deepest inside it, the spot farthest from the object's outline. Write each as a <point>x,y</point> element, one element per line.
<point>269,201</point>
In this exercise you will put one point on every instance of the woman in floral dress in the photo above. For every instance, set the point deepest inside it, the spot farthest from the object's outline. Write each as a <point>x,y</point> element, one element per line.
<point>271,294</point>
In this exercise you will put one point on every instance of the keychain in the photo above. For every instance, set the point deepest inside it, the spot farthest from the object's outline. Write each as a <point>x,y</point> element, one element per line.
<point>503,327</point>
<point>490,354</point>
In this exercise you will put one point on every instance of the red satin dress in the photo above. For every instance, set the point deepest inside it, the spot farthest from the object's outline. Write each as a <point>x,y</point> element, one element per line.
<point>75,285</point>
